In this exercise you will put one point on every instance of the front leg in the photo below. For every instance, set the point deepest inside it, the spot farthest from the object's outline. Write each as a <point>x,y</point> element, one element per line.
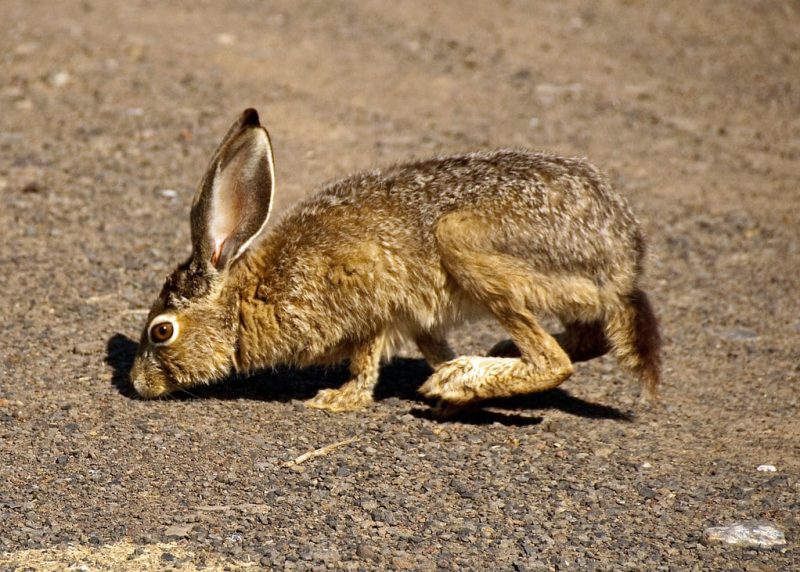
<point>357,392</point>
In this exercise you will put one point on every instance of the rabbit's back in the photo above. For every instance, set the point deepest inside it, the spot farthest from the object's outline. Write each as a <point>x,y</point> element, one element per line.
<point>558,213</point>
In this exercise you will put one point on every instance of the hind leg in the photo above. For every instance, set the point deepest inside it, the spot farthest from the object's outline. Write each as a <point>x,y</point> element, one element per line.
<point>582,341</point>
<point>434,348</point>
<point>543,365</point>
<point>507,286</point>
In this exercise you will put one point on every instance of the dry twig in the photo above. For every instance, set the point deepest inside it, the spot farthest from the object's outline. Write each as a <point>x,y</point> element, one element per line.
<point>319,452</point>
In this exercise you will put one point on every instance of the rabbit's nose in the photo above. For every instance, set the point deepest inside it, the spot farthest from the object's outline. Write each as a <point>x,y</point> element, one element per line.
<point>145,383</point>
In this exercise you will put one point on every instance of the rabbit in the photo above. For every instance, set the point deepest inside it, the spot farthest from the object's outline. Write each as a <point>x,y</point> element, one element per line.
<point>381,258</point>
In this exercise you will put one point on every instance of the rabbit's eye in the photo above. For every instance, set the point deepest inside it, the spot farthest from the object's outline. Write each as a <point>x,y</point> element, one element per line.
<point>163,330</point>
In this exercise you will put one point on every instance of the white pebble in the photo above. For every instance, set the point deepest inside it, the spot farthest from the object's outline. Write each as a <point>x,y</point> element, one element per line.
<point>226,39</point>
<point>747,534</point>
<point>766,468</point>
<point>60,79</point>
<point>169,193</point>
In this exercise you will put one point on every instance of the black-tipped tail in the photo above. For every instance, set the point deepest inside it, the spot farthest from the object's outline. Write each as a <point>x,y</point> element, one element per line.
<point>634,335</point>
<point>647,340</point>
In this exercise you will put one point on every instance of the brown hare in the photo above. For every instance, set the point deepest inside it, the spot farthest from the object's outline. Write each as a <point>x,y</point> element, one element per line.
<point>403,254</point>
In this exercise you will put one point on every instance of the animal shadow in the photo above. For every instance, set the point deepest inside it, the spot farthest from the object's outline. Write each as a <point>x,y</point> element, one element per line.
<point>120,353</point>
<point>399,380</point>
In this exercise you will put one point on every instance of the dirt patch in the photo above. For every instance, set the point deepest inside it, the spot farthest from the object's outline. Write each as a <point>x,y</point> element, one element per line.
<point>123,556</point>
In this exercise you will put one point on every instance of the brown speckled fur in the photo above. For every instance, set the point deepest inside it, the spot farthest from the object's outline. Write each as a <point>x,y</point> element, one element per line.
<point>404,254</point>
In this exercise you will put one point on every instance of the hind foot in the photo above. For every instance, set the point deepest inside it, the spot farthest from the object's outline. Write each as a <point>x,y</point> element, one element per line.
<point>466,380</point>
<point>463,380</point>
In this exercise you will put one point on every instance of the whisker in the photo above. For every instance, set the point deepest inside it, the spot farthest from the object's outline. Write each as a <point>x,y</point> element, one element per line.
<point>189,393</point>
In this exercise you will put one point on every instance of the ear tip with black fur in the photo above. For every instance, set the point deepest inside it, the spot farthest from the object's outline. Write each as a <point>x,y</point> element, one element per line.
<point>249,118</point>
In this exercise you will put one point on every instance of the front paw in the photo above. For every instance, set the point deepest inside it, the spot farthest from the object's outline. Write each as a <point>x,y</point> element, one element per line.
<point>338,400</point>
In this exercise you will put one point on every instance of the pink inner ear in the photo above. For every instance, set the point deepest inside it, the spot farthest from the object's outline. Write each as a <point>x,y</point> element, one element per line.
<point>240,195</point>
<point>217,252</point>
<point>227,211</point>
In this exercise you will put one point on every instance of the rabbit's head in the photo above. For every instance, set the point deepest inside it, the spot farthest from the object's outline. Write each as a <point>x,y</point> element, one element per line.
<point>191,331</point>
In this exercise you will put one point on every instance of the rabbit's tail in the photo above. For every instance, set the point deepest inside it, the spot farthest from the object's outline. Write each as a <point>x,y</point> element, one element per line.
<point>632,331</point>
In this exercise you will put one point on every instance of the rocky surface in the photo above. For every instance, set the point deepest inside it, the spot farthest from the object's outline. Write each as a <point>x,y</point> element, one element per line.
<point>109,115</point>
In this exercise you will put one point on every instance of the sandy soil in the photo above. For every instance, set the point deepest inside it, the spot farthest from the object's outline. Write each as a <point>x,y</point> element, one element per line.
<point>109,114</point>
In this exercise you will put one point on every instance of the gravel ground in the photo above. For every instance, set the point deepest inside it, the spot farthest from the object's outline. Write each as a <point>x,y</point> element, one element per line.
<point>109,115</point>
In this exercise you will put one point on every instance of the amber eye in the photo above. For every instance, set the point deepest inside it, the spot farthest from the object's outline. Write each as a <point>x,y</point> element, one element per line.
<point>163,330</point>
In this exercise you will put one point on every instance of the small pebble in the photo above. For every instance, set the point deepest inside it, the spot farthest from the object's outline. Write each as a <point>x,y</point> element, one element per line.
<point>646,492</point>
<point>84,348</point>
<point>366,551</point>
<point>168,557</point>
<point>32,187</point>
<point>178,531</point>
<point>60,79</point>
<point>402,563</point>
<point>766,468</point>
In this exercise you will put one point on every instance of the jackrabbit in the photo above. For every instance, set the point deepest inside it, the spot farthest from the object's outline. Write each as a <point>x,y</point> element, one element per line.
<point>383,257</point>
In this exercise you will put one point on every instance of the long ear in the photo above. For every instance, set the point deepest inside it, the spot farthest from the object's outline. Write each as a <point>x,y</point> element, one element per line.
<point>233,202</point>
